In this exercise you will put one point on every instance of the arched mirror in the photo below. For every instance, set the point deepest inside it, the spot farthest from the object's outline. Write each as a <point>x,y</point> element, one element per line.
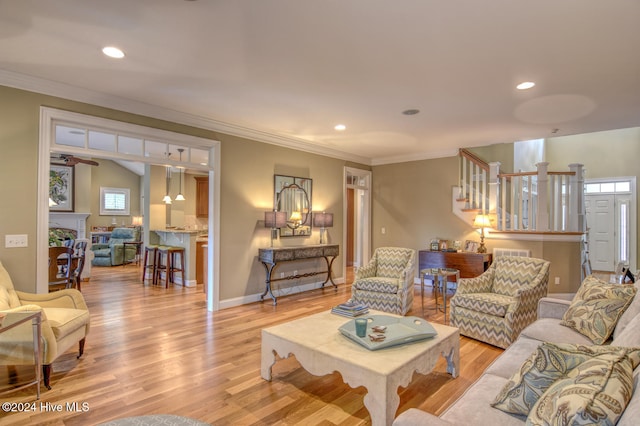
<point>293,196</point>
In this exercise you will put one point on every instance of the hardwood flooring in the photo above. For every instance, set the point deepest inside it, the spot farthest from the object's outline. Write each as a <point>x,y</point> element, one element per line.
<point>155,350</point>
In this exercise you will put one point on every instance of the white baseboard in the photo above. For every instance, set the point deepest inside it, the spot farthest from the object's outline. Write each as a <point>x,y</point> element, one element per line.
<point>252,298</point>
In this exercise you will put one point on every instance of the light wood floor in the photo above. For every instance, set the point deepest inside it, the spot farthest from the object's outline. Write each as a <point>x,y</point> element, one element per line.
<point>152,350</point>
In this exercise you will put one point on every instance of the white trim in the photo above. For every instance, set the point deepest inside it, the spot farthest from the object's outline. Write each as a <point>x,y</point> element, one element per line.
<point>48,119</point>
<point>252,298</point>
<point>525,236</point>
<point>413,157</point>
<point>65,91</point>
<point>633,217</point>
<point>366,237</point>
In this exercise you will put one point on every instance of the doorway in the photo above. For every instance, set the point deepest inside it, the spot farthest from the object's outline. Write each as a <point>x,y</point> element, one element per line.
<point>611,222</point>
<point>357,213</point>
<point>117,140</point>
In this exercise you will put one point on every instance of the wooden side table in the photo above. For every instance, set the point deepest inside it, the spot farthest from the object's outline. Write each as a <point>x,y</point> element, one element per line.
<point>11,320</point>
<point>136,259</point>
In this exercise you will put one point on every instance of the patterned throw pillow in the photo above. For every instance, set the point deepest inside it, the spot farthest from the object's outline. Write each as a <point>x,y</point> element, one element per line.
<point>596,307</point>
<point>549,363</point>
<point>595,392</point>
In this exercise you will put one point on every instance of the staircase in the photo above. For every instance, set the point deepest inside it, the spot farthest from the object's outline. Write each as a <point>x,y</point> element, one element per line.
<point>532,202</point>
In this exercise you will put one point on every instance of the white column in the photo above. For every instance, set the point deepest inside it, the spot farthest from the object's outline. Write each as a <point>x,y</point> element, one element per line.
<point>576,201</point>
<point>494,191</point>
<point>542,212</point>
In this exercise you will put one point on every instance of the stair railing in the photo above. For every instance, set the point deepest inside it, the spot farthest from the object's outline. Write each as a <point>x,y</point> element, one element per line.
<point>538,201</point>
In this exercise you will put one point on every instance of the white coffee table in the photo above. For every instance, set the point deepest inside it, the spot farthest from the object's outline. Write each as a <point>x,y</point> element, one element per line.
<point>321,349</point>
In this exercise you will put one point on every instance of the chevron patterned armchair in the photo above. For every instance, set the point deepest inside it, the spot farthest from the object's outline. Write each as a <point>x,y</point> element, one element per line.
<point>386,282</point>
<point>495,306</point>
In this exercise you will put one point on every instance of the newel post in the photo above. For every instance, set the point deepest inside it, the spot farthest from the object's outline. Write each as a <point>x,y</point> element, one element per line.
<point>494,192</point>
<point>542,211</point>
<point>576,198</point>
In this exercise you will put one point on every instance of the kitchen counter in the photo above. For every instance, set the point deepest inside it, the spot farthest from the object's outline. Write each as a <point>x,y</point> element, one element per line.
<point>185,238</point>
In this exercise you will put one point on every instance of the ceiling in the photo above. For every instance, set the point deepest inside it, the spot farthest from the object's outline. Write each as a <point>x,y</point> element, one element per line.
<point>287,72</point>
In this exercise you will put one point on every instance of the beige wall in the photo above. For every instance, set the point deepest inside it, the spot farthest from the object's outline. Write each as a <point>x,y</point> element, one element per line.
<point>502,153</point>
<point>110,175</point>
<point>246,191</point>
<point>606,154</point>
<point>413,202</point>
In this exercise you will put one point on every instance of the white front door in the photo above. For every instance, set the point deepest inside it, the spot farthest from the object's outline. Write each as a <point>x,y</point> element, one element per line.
<point>601,228</point>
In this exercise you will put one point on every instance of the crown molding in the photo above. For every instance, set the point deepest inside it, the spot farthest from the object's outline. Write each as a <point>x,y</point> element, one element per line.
<point>66,91</point>
<point>414,157</point>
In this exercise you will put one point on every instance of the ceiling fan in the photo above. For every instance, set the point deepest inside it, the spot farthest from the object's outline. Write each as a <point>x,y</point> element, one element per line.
<point>70,160</point>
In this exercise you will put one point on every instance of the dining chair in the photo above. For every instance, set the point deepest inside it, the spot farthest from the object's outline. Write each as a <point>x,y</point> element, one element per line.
<point>60,268</point>
<point>80,251</point>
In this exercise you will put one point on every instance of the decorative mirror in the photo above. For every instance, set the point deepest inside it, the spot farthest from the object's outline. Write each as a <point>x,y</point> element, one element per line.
<point>293,196</point>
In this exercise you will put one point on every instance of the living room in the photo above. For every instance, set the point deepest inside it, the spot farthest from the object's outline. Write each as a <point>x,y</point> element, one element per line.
<point>411,200</point>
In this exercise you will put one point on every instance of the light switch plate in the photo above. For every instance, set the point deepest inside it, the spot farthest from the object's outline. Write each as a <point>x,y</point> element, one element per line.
<point>11,241</point>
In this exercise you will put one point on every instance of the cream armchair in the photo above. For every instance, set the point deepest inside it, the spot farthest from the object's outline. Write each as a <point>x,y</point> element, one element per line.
<point>386,282</point>
<point>496,306</point>
<point>65,322</point>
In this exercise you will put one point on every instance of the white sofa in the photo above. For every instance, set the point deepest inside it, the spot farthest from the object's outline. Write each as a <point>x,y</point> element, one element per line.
<point>473,407</point>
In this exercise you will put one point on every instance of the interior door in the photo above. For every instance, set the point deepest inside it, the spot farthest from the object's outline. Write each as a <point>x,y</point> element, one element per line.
<point>350,226</point>
<point>600,211</point>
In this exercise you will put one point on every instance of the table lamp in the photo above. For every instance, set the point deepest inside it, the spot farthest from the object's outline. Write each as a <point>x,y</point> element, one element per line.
<point>275,220</point>
<point>482,221</point>
<point>323,220</point>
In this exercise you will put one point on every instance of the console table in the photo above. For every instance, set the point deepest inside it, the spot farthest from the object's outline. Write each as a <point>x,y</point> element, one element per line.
<point>271,257</point>
<point>469,264</point>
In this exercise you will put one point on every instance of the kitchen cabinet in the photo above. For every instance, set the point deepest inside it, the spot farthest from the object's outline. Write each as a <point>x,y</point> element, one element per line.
<point>202,196</point>
<point>201,260</point>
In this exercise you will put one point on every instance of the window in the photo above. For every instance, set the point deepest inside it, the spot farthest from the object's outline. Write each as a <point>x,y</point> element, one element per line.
<point>114,201</point>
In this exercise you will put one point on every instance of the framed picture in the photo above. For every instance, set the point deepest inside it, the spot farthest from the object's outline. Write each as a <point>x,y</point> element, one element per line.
<point>471,246</point>
<point>61,188</point>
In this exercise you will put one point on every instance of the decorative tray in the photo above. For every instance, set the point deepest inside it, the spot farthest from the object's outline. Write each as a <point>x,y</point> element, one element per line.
<point>385,331</point>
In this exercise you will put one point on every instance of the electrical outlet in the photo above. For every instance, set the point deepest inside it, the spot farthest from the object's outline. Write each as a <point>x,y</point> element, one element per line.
<point>383,230</point>
<point>557,282</point>
<point>295,272</point>
<point>281,274</point>
<point>11,241</point>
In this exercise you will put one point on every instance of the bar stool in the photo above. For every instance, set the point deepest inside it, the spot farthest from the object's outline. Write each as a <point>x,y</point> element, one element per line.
<point>166,261</point>
<point>149,256</point>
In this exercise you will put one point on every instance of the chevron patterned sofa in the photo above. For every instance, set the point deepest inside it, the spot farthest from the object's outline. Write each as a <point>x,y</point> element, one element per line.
<point>474,406</point>
<point>386,282</point>
<point>495,306</point>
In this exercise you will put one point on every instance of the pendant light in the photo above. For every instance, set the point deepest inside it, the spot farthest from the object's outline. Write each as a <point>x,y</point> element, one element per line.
<point>180,197</point>
<point>167,198</point>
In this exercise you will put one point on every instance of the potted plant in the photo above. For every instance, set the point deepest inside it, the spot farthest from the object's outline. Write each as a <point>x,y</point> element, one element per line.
<point>57,236</point>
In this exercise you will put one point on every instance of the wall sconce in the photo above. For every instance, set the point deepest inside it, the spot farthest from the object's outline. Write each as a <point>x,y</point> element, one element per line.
<point>482,221</point>
<point>323,220</point>
<point>275,220</point>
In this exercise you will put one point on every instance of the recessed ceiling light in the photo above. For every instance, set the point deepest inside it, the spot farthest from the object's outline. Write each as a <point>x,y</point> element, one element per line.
<point>525,85</point>
<point>113,52</point>
<point>410,111</point>
<point>340,127</point>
